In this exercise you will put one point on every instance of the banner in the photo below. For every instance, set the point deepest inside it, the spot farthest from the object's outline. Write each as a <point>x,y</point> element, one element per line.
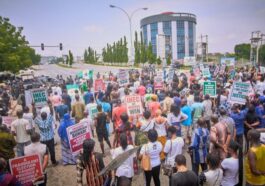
<point>189,61</point>
<point>222,69</point>
<point>134,105</point>
<point>99,85</point>
<point>239,92</point>
<point>158,81</point>
<point>87,74</point>
<point>228,61</point>
<point>206,72</point>
<point>216,71</point>
<point>209,87</point>
<point>123,77</point>
<point>7,120</point>
<point>77,134</point>
<point>39,97</point>
<point>26,169</point>
<point>71,91</point>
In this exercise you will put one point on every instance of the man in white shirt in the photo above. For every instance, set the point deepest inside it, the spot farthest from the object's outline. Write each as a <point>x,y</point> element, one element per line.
<point>21,129</point>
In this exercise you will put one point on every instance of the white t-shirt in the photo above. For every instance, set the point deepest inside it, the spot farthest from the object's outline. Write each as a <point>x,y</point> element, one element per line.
<point>230,166</point>
<point>91,109</point>
<point>29,117</point>
<point>126,168</point>
<point>171,118</point>
<point>160,129</point>
<point>213,177</point>
<point>146,125</point>
<point>153,150</point>
<point>20,127</point>
<point>174,150</point>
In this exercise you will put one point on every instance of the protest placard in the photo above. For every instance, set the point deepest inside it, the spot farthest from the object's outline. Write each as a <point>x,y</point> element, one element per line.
<point>216,70</point>
<point>239,92</point>
<point>222,69</point>
<point>7,120</point>
<point>262,70</point>
<point>26,169</point>
<point>206,72</point>
<point>197,71</point>
<point>39,97</point>
<point>170,75</point>
<point>134,105</point>
<point>228,61</point>
<point>158,82</point>
<point>77,134</point>
<point>92,111</point>
<point>88,74</point>
<point>123,77</point>
<point>99,85</point>
<point>209,87</point>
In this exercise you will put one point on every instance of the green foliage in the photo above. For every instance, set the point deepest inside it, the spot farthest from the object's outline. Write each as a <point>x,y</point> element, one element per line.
<point>67,60</point>
<point>90,56</point>
<point>143,55</point>
<point>262,55</point>
<point>116,53</point>
<point>168,61</point>
<point>136,49</point>
<point>242,51</point>
<point>71,58</point>
<point>150,56</point>
<point>158,61</point>
<point>15,54</point>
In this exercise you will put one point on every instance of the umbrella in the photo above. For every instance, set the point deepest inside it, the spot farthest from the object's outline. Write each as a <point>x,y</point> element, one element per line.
<point>115,163</point>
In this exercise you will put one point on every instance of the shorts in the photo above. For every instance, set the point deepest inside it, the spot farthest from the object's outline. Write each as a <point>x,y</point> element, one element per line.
<point>186,131</point>
<point>103,135</point>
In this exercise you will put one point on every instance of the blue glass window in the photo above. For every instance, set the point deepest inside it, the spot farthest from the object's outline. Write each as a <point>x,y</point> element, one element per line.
<point>145,39</point>
<point>154,32</point>
<point>180,39</point>
<point>191,43</point>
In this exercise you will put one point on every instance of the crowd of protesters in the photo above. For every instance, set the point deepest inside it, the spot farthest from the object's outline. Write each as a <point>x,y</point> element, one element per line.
<point>178,124</point>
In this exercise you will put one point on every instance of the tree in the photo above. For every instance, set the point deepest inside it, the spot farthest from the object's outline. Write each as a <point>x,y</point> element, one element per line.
<point>136,50</point>
<point>67,60</point>
<point>168,60</point>
<point>158,61</point>
<point>242,51</point>
<point>71,58</point>
<point>15,54</point>
<point>143,50</point>
<point>85,56</point>
<point>262,55</point>
<point>150,56</point>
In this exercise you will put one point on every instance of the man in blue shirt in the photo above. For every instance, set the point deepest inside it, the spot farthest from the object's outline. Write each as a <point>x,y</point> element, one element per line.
<point>45,125</point>
<point>61,110</point>
<point>186,124</point>
<point>87,96</point>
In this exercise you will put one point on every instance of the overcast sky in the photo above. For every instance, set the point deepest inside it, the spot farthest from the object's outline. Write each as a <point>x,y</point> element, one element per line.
<point>82,23</point>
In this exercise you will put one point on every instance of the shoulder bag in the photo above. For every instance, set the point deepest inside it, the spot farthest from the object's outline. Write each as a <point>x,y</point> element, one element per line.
<point>166,167</point>
<point>146,163</point>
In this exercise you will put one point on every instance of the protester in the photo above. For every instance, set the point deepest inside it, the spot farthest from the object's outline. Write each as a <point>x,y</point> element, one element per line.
<point>101,128</point>
<point>153,148</point>
<point>183,176</point>
<point>207,107</point>
<point>126,168</point>
<point>78,109</point>
<point>41,149</point>
<point>230,166</point>
<point>255,160</point>
<point>5,177</point>
<point>67,157</point>
<point>92,162</point>
<point>199,146</point>
<point>186,124</point>
<point>214,175</point>
<point>61,110</point>
<point>21,129</point>
<point>116,114</point>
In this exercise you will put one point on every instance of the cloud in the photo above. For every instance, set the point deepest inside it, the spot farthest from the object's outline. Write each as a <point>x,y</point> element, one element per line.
<point>93,29</point>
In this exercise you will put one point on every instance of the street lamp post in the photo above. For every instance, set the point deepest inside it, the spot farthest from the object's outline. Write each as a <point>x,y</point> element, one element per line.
<point>130,22</point>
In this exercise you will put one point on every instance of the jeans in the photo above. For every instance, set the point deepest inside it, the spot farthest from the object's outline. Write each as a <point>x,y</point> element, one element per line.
<point>20,148</point>
<point>195,167</point>
<point>50,146</point>
<point>153,173</point>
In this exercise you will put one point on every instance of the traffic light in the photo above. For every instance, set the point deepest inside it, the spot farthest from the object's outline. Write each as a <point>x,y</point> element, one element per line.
<point>42,46</point>
<point>61,46</point>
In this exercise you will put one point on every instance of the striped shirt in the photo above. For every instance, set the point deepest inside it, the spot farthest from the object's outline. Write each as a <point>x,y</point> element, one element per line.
<point>45,127</point>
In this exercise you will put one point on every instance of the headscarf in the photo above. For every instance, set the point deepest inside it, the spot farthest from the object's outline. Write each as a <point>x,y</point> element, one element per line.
<point>65,123</point>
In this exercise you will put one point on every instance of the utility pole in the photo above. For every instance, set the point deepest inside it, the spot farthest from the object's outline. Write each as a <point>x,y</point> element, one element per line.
<point>256,42</point>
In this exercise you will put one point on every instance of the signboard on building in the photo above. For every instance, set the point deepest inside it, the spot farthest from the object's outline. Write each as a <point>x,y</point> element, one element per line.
<point>134,105</point>
<point>228,61</point>
<point>99,85</point>
<point>39,97</point>
<point>123,77</point>
<point>209,87</point>
<point>77,134</point>
<point>26,169</point>
<point>239,92</point>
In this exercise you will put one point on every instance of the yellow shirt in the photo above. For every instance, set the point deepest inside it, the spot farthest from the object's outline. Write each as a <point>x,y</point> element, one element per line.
<point>260,165</point>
